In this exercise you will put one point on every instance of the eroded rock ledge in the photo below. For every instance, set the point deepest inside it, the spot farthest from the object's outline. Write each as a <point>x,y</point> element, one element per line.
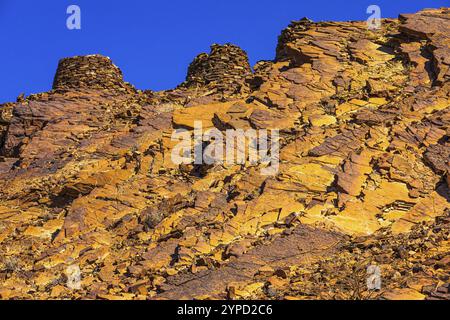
<point>86,177</point>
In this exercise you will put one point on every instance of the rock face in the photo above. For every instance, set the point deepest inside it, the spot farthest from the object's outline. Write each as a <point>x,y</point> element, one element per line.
<point>88,181</point>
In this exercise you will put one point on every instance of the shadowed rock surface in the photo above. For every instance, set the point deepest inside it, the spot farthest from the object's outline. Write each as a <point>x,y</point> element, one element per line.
<point>87,178</point>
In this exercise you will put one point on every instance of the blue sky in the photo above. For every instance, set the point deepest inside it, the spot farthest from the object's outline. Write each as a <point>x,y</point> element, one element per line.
<point>154,41</point>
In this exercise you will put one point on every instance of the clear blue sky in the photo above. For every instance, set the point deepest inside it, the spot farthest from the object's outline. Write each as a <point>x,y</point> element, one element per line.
<point>154,41</point>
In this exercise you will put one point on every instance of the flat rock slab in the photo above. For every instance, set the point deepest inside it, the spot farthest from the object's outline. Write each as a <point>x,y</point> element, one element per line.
<point>304,245</point>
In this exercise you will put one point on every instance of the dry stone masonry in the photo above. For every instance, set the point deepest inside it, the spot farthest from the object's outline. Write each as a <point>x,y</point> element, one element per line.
<point>294,31</point>
<point>89,72</point>
<point>225,68</point>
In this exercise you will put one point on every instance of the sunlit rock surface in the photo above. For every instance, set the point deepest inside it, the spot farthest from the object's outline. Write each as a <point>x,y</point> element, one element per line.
<point>86,176</point>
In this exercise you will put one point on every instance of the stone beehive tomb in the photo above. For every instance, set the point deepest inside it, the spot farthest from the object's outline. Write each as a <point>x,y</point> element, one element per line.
<point>89,72</point>
<point>226,67</point>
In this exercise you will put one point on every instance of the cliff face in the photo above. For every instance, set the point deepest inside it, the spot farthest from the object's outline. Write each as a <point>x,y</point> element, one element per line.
<point>87,177</point>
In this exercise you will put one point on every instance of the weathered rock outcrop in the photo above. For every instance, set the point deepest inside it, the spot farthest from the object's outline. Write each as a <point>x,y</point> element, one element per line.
<point>87,178</point>
<point>5,119</point>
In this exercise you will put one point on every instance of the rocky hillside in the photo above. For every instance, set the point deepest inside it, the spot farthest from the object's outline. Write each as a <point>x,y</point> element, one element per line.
<point>87,179</point>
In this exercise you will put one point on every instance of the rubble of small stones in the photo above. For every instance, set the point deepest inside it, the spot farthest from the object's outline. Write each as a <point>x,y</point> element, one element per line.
<point>87,180</point>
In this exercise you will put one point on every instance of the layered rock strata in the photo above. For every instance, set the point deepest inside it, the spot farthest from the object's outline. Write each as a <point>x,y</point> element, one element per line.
<point>87,179</point>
